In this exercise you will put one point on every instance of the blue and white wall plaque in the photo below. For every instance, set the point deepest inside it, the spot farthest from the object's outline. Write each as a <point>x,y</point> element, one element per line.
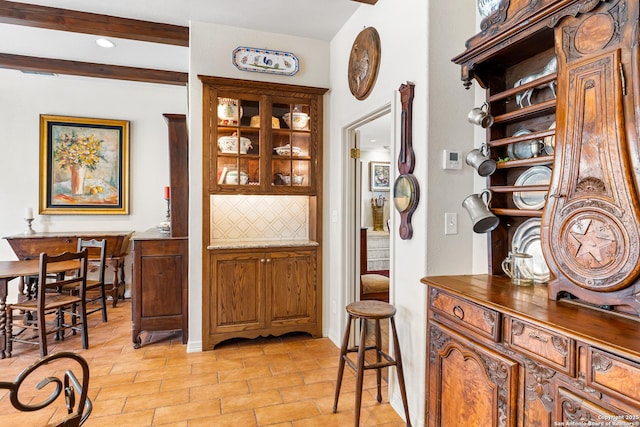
<point>265,61</point>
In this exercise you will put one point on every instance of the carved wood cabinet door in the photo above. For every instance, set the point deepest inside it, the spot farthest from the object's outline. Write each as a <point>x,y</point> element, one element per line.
<point>469,384</point>
<point>590,227</point>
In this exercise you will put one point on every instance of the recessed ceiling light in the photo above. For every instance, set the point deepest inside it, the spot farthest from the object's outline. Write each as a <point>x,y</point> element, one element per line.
<point>39,73</point>
<point>102,42</point>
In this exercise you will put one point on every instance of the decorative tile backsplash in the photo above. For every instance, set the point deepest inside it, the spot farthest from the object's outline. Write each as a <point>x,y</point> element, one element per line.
<point>259,217</point>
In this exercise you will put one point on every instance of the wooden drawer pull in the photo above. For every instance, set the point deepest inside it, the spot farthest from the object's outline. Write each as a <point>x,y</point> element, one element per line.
<point>458,312</point>
<point>538,337</point>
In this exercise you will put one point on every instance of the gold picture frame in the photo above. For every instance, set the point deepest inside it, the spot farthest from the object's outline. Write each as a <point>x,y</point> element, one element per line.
<point>84,166</point>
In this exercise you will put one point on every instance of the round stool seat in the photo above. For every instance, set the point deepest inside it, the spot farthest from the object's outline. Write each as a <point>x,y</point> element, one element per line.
<point>371,309</point>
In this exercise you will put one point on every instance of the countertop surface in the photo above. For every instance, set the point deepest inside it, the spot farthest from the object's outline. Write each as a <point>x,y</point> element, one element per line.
<point>531,303</point>
<point>152,234</point>
<point>241,244</point>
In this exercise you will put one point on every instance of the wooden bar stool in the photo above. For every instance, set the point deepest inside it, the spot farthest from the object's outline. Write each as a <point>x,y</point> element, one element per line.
<point>376,311</point>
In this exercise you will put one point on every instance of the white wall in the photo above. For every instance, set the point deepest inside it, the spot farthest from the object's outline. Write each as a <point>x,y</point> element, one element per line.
<point>210,54</point>
<point>449,104</point>
<point>418,40</point>
<point>23,97</point>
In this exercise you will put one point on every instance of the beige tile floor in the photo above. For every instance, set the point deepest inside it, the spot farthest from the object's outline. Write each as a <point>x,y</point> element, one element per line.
<point>278,382</point>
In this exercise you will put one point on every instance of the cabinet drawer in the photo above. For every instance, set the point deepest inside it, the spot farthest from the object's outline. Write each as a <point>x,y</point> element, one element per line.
<point>614,375</point>
<point>570,406</point>
<point>474,317</point>
<point>541,344</point>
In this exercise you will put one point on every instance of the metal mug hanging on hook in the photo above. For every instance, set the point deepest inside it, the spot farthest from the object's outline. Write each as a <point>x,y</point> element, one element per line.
<point>482,218</point>
<point>478,158</point>
<point>480,116</point>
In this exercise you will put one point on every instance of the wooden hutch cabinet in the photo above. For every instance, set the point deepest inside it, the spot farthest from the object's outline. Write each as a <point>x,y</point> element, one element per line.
<point>159,287</point>
<point>261,139</point>
<point>561,80</point>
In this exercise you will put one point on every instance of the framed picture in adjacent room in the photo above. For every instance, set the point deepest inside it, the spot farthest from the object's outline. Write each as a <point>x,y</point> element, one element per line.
<point>379,176</point>
<point>84,165</point>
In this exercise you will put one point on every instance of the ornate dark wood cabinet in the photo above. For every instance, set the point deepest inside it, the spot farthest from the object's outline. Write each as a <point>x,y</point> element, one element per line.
<point>592,219</point>
<point>564,74</point>
<point>505,356</point>
<point>562,84</point>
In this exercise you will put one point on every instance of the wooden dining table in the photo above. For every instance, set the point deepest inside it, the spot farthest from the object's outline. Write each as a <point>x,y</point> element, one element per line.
<point>29,246</point>
<point>10,270</point>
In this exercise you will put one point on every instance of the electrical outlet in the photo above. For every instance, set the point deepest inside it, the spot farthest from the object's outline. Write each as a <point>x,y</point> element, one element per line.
<point>451,223</point>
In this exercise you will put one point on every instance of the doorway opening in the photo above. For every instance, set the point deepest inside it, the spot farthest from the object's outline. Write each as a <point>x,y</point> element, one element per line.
<point>368,201</point>
<point>374,142</point>
<point>370,142</point>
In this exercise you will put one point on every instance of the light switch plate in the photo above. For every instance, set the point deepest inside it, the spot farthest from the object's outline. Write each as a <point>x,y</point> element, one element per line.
<point>451,223</point>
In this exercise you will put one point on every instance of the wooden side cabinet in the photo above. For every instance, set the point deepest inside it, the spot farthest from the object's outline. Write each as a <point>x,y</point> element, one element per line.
<point>159,287</point>
<point>261,292</point>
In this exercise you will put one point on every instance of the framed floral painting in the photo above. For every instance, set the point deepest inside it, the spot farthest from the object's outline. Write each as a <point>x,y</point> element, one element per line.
<point>84,165</point>
<point>379,176</point>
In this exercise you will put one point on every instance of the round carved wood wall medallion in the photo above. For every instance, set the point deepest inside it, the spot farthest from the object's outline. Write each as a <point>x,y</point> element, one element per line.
<point>364,62</point>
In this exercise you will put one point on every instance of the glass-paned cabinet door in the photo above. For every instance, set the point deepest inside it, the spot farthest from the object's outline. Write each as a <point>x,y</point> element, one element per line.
<point>238,142</point>
<point>291,156</point>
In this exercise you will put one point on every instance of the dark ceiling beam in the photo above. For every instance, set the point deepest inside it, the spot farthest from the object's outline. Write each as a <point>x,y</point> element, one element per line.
<point>88,69</point>
<point>52,18</point>
<point>367,1</point>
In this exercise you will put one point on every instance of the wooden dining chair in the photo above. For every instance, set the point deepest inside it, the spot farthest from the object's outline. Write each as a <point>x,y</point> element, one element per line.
<point>50,308</point>
<point>98,284</point>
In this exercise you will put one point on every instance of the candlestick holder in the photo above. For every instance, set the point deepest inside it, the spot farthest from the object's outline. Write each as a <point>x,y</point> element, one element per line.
<point>165,226</point>
<point>29,230</point>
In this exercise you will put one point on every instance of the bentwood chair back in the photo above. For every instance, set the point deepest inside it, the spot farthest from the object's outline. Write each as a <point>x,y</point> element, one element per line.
<point>70,391</point>
<point>50,307</point>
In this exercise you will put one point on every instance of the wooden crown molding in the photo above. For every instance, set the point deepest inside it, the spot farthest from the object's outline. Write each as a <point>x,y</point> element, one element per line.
<point>53,18</point>
<point>88,69</point>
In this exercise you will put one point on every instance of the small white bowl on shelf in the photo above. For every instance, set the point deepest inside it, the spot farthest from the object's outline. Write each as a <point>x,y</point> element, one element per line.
<point>232,177</point>
<point>285,150</point>
<point>300,120</point>
<point>229,144</point>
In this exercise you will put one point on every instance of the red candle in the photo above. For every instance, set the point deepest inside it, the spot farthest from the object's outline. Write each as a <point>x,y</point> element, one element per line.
<point>167,193</point>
